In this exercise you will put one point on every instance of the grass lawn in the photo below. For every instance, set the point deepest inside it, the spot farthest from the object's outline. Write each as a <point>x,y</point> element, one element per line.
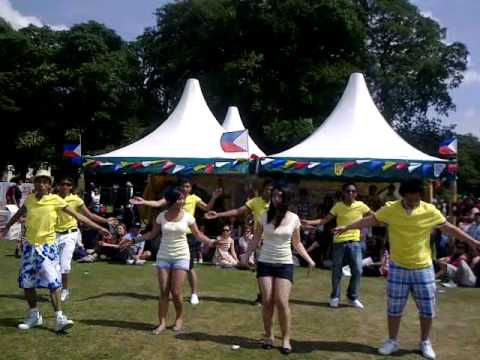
<point>115,307</point>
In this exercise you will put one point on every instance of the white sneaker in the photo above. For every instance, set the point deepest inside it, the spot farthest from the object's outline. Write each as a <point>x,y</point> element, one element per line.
<point>346,271</point>
<point>64,295</point>
<point>194,299</point>
<point>63,323</point>
<point>450,285</point>
<point>357,304</point>
<point>200,261</point>
<point>130,261</point>
<point>388,347</point>
<point>427,350</point>
<point>32,320</point>
<point>139,262</point>
<point>334,302</point>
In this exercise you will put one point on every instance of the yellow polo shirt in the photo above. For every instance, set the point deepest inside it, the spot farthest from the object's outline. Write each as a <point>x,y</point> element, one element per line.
<point>409,234</point>
<point>66,222</point>
<point>258,206</point>
<point>42,215</point>
<point>190,206</point>
<point>347,215</point>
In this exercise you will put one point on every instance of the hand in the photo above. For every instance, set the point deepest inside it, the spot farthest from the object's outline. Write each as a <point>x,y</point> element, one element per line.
<point>211,215</point>
<point>311,266</point>
<point>105,233</point>
<point>339,230</point>
<point>112,220</point>
<point>137,200</point>
<point>123,244</point>
<point>217,192</point>
<point>307,224</point>
<point>4,232</point>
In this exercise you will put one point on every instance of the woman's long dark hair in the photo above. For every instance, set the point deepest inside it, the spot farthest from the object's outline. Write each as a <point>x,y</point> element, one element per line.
<point>276,214</point>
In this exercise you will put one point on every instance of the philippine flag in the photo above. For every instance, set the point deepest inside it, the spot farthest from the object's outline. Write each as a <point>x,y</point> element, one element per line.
<point>72,150</point>
<point>449,147</point>
<point>234,141</point>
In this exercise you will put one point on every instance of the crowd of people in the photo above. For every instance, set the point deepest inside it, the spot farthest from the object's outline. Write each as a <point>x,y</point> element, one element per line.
<point>386,232</point>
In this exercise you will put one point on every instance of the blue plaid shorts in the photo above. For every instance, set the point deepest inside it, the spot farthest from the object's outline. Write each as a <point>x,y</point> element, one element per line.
<point>420,282</point>
<point>40,267</point>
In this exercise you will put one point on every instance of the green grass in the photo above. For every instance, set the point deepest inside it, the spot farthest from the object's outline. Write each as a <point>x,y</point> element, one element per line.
<point>115,308</point>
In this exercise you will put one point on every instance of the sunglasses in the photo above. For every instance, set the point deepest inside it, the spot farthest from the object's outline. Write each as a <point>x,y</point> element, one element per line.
<point>66,184</point>
<point>350,191</point>
<point>226,230</point>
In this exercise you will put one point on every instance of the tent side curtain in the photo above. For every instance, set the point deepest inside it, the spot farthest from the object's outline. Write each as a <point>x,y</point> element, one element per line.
<point>359,169</point>
<point>173,166</point>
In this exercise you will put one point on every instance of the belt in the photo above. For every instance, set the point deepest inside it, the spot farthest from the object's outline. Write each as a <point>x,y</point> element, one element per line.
<point>67,231</point>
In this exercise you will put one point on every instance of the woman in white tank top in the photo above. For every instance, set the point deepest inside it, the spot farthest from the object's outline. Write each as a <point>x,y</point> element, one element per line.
<point>279,229</point>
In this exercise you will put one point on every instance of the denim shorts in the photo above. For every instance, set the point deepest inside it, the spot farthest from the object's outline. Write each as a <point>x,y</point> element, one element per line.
<point>173,264</point>
<point>282,271</point>
<point>420,282</point>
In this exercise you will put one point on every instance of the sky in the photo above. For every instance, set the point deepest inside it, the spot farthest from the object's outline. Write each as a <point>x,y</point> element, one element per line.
<point>129,18</point>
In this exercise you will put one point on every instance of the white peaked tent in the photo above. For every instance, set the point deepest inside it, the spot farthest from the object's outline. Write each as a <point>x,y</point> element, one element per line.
<point>190,132</point>
<point>356,130</point>
<point>233,122</point>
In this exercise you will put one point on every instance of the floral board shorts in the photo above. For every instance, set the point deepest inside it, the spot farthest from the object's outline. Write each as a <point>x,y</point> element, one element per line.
<point>40,267</point>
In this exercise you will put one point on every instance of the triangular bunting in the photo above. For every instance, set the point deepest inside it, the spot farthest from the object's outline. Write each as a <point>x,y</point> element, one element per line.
<point>210,168</point>
<point>277,163</point>
<point>301,165</point>
<point>289,163</point>
<point>349,164</point>
<point>427,169</point>
<point>453,168</point>
<point>178,168</point>
<point>312,164</point>
<point>388,165</point>
<point>360,162</point>
<point>339,169</point>
<point>168,165</point>
<point>413,166</point>
<point>375,164</point>
<point>220,164</point>
<point>266,161</point>
<point>401,166</point>
<point>199,167</point>
<point>438,169</point>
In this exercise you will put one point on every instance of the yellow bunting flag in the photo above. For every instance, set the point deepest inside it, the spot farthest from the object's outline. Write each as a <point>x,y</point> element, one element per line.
<point>388,165</point>
<point>339,169</point>
<point>289,163</point>
<point>199,167</point>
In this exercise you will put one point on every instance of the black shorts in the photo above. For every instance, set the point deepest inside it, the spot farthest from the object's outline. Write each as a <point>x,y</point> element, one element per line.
<point>281,271</point>
<point>191,246</point>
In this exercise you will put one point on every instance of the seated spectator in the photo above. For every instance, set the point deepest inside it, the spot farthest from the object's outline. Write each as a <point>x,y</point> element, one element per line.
<point>225,255</point>
<point>380,268</point>
<point>244,240</point>
<point>456,268</point>
<point>108,249</point>
<point>136,253</point>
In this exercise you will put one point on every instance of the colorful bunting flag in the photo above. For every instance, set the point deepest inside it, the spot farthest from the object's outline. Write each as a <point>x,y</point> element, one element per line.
<point>277,163</point>
<point>288,164</point>
<point>401,166</point>
<point>360,162</point>
<point>168,165</point>
<point>375,164</point>
<point>301,165</point>
<point>388,165</point>
<point>438,169</point>
<point>413,166</point>
<point>427,169</point>
<point>137,165</point>
<point>178,168</point>
<point>339,169</point>
<point>313,164</point>
<point>325,165</point>
<point>266,161</point>
<point>210,168</point>
<point>220,164</point>
<point>349,164</point>
<point>199,167</point>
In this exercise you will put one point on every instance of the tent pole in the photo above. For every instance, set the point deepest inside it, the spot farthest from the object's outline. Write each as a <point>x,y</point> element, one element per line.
<point>430,191</point>
<point>453,199</point>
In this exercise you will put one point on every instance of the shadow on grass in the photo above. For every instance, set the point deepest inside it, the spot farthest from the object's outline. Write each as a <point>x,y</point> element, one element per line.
<point>299,347</point>
<point>13,323</point>
<point>118,324</point>
<point>227,300</point>
<point>122,294</point>
<point>41,299</point>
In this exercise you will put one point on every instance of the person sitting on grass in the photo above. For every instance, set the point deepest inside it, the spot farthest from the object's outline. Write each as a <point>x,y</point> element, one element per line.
<point>136,254</point>
<point>225,255</point>
<point>410,223</point>
<point>109,248</point>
